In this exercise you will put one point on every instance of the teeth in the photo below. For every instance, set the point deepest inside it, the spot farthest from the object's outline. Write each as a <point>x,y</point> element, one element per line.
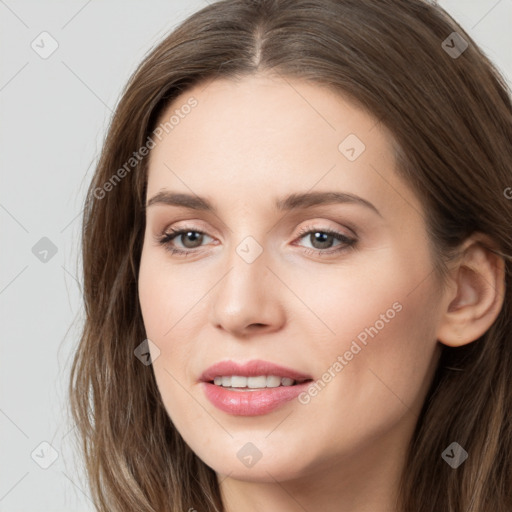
<point>237,382</point>
<point>257,382</point>
<point>261,381</point>
<point>273,381</point>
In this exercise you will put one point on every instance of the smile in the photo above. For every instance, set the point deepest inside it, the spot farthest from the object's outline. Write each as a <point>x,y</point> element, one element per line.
<point>253,388</point>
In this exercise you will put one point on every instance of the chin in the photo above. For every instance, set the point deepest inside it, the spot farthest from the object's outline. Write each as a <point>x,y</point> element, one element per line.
<point>244,461</point>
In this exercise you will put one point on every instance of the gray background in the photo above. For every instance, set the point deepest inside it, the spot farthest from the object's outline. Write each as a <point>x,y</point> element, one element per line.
<point>54,113</point>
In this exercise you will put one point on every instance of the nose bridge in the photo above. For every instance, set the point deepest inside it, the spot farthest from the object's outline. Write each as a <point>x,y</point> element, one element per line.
<point>244,296</point>
<point>247,263</point>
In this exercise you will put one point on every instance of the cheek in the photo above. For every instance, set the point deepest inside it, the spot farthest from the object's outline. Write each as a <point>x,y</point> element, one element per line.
<point>171,305</point>
<point>169,296</point>
<point>370,295</point>
<point>375,328</point>
<point>385,335</point>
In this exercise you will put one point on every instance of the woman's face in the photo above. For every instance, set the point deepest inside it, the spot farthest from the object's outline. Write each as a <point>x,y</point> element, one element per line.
<point>339,292</point>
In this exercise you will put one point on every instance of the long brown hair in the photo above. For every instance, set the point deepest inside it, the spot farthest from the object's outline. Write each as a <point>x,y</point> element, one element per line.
<point>450,112</point>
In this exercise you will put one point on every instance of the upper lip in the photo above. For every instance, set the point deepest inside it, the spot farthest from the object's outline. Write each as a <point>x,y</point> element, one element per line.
<point>252,368</point>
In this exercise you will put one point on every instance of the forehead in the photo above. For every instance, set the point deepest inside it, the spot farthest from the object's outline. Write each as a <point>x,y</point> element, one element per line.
<point>256,110</point>
<point>260,134</point>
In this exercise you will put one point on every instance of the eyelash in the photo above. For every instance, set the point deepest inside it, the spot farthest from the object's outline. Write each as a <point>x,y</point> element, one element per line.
<point>347,241</point>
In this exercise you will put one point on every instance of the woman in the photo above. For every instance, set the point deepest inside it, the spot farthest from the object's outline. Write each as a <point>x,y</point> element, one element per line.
<point>297,268</point>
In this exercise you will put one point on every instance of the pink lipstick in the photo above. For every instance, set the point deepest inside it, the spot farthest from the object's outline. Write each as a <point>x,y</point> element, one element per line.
<point>254,388</point>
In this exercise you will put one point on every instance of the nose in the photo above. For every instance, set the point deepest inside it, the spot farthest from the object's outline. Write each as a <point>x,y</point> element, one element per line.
<point>248,298</point>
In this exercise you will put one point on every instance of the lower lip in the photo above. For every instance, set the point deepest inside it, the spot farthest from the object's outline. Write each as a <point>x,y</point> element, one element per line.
<point>251,403</point>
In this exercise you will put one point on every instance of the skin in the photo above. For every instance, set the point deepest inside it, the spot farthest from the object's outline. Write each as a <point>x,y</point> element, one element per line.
<point>245,144</point>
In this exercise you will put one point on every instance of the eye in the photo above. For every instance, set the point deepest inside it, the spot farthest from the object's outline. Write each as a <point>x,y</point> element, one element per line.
<point>191,239</point>
<point>322,239</point>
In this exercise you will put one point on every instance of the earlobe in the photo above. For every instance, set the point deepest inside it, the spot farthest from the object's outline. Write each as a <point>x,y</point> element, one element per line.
<point>473,302</point>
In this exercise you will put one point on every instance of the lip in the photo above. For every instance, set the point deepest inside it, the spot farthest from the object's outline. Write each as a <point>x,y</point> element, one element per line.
<point>251,369</point>
<point>251,402</point>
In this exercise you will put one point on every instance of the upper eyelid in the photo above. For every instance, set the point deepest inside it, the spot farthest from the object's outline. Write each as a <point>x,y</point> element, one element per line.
<point>324,224</point>
<point>171,229</point>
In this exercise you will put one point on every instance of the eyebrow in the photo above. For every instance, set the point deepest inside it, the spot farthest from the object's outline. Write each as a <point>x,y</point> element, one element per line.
<point>293,201</point>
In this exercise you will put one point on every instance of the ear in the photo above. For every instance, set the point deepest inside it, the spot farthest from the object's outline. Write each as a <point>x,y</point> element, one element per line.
<point>475,294</point>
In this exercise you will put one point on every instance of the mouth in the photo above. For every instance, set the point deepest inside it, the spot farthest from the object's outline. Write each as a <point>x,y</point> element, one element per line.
<point>254,388</point>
